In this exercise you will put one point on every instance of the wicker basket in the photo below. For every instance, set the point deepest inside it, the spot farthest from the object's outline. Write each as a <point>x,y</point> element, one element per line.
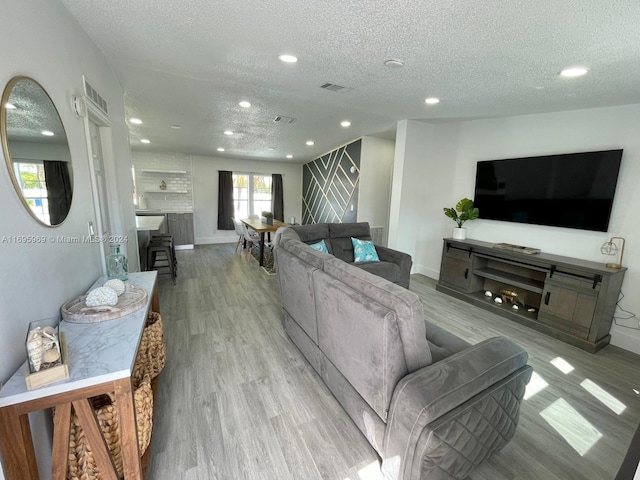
<point>152,351</point>
<point>81,462</point>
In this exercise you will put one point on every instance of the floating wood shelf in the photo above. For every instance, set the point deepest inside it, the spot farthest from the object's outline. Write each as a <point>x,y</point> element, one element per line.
<point>166,191</point>
<point>149,170</point>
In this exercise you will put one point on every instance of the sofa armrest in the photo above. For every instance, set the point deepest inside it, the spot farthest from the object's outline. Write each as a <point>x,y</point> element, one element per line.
<point>432,392</point>
<point>403,260</point>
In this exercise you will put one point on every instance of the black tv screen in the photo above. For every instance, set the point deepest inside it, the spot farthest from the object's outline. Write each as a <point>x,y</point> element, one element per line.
<point>570,190</point>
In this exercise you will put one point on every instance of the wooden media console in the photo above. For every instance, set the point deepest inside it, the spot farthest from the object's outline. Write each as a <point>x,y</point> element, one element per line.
<point>570,299</point>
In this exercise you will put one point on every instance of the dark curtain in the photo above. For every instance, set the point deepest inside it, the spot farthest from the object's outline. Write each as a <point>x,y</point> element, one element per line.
<point>59,190</point>
<point>277,197</point>
<point>225,201</point>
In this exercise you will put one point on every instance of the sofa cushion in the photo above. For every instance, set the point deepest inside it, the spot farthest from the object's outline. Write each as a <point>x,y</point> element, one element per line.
<point>387,270</point>
<point>442,343</point>
<point>311,232</point>
<point>373,362</point>
<point>340,235</point>
<point>300,250</point>
<point>364,251</point>
<point>404,303</point>
<point>296,264</point>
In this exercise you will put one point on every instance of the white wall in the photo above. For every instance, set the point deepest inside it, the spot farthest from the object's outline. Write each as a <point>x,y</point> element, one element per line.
<point>205,193</point>
<point>150,181</point>
<point>459,146</point>
<point>44,42</point>
<point>422,177</point>
<point>38,151</point>
<point>376,171</point>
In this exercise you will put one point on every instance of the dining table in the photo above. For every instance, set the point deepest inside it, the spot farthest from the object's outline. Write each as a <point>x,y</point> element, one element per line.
<point>262,228</point>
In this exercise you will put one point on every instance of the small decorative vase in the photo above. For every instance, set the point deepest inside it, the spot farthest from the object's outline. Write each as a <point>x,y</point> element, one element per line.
<point>460,233</point>
<point>117,264</point>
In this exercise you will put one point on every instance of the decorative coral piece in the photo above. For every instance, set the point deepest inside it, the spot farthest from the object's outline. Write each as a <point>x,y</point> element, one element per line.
<point>102,296</point>
<point>117,285</point>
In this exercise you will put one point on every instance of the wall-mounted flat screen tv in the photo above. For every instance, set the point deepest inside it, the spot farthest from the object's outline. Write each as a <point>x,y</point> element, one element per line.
<point>570,190</point>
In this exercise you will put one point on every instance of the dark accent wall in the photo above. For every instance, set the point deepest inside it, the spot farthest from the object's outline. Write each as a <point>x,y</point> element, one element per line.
<point>329,188</point>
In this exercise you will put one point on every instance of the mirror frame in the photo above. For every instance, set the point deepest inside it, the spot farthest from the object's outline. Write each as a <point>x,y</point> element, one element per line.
<point>5,146</point>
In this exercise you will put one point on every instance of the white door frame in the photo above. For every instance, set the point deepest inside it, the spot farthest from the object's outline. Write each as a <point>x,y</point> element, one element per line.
<point>98,117</point>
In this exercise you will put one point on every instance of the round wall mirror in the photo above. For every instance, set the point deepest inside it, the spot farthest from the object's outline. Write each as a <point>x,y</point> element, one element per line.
<point>36,150</point>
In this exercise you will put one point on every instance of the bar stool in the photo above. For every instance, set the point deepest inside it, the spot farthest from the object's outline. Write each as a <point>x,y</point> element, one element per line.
<point>163,238</point>
<point>156,263</point>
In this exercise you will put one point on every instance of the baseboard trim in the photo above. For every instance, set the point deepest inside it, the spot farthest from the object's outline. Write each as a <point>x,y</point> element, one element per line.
<point>627,340</point>
<point>212,240</point>
<point>427,272</point>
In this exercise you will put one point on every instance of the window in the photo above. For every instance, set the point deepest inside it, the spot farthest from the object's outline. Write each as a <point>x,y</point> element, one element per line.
<point>31,177</point>
<point>251,194</point>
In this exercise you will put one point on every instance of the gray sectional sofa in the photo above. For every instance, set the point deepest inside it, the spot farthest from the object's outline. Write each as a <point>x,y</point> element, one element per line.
<point>395,266</point>
<point>432,405</point>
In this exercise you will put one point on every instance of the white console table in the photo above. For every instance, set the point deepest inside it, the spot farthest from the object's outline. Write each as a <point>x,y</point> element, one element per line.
<point>101,358</point>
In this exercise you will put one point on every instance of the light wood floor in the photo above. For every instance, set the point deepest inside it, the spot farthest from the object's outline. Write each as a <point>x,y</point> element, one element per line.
<point>238,401</point>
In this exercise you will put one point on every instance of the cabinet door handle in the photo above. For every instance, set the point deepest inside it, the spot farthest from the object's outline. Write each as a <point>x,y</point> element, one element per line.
<point>466,273</point>
<point>546,298</point>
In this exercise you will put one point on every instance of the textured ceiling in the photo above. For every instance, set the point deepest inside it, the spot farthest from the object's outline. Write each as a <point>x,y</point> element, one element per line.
<point>34,113</point>
<point>191,62</point>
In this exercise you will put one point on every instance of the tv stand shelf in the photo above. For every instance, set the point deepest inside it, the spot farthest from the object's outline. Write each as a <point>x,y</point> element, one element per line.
<point>510,278</point>
<point>571,299</point>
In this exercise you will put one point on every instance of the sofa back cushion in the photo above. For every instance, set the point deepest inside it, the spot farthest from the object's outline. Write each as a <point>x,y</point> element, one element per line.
<point>340,235</point>
<point>313,233</point>
<point>405,304</point>
<point>360,338</point>
<point>296,264</point>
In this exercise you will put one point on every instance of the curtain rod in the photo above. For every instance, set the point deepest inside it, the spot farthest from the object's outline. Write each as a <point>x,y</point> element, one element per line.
<point>251,173</point>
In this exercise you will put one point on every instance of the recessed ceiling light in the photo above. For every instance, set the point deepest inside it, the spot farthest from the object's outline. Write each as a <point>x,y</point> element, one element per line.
<point>289,156</point>
<point>272,148</point>
<point>10,106</point>
<point>244,104</point>
<point>394,63</point>
<point>431,100</point>
<point>345,123</point>
<point>220,149</point>
<point>145,140</point>
<point>228,132</point>
<point>136,121</point>
<point>288,58</point>
<point>574,72</point>
<point>47,133</point>
<point>310,142</point>
<point>176,127</point>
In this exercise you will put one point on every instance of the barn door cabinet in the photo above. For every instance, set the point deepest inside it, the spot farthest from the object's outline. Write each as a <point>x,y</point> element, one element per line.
<point>570,299</point>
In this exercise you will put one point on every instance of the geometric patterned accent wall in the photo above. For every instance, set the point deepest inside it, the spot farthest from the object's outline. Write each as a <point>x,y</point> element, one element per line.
<point>330,188</point>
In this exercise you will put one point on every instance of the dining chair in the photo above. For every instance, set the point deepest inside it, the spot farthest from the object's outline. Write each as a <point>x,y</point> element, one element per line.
<point>252,237</point>
<point>239,231</point>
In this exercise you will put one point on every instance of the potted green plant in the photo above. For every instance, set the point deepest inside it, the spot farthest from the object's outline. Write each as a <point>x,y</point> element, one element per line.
<point>463,212</point>
<point>267,217</point>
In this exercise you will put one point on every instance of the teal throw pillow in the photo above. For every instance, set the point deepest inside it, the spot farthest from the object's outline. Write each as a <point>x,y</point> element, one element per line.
<point>364,251</point>
<point>320,246</point>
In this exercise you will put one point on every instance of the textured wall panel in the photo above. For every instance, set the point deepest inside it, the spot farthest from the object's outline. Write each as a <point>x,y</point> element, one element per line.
<point>329,188</point>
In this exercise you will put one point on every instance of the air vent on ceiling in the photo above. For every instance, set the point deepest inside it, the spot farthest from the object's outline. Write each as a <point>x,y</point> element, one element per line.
<point>283,119</point>
<point>335,88</point>
<point>94,96</point>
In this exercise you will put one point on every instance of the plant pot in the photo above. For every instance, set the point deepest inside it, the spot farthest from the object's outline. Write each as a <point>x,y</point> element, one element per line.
<point>267,220</point>
<point>460,233</point>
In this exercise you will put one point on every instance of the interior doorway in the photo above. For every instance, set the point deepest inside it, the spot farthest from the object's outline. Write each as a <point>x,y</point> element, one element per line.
<point>103,176</point>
